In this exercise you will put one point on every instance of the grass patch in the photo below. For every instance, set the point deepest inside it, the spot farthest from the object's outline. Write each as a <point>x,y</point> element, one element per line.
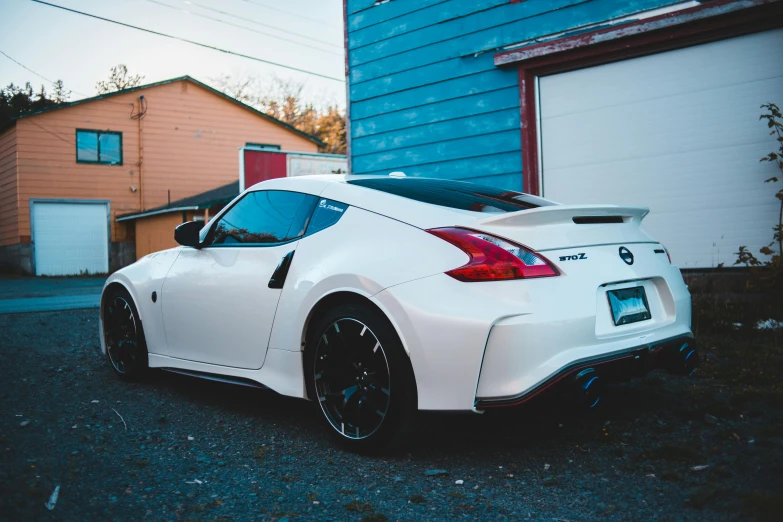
<point>674,453</point>
<point>203,506</point>
<point>260,454</point>
<point>671,474</point>
<point>375,517</point>
<point>663,428</point>
<point>357,506</point>
<point>700,497</point>
<point>765,506</point>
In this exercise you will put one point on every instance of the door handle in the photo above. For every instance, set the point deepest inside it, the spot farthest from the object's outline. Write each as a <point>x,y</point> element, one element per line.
<point>280,273</point>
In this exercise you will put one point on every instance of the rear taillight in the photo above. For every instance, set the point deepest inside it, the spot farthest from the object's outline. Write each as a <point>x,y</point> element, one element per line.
<point>492,258</point>
<point>667,254</point>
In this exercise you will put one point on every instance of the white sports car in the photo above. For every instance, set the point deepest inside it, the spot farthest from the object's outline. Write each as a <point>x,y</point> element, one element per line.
<point>374,297</point>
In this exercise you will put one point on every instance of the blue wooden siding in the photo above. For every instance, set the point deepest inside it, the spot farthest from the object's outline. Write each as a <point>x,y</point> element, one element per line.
<point>425,95</point>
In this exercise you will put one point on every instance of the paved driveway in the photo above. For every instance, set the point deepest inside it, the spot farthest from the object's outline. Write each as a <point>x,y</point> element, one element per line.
<point>42,294</point>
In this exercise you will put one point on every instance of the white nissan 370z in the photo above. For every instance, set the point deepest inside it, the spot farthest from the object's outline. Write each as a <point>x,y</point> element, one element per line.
<point>375,297</point>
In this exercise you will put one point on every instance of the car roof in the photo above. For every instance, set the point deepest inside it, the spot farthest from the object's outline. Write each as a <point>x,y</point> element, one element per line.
<point>336,187</point>
<point>417,201</point>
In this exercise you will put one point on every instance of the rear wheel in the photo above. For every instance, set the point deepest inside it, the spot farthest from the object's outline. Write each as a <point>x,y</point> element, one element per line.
<point>124,336</point>
<point>360,377</point>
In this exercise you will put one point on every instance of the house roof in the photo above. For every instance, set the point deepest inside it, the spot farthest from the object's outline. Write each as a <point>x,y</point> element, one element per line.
<point>210,198</point>
<point>164,82</point>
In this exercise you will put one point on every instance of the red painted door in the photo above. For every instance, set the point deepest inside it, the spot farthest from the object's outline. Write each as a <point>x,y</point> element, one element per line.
<point>261,166</point>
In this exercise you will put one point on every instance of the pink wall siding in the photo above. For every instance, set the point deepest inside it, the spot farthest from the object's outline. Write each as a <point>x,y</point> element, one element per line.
<point>8,188</point>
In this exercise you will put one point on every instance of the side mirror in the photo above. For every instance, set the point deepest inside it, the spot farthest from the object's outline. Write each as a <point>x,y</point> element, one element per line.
<point>186,234</point>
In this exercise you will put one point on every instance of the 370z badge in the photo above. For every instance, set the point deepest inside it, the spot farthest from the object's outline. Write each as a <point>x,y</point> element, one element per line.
<point>575,257</point>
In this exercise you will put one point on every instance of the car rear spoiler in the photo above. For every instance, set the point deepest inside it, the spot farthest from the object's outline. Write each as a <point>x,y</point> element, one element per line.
<point>567,214</point>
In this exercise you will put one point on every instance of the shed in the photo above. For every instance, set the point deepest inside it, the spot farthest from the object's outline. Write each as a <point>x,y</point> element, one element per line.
<point>155,227</point>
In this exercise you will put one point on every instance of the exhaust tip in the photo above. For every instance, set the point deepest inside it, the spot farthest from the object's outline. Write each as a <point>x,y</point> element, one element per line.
<point>588,388</point>
<point>683,360</point>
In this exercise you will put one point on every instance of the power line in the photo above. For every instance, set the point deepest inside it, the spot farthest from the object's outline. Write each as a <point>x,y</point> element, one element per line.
<point>23,66</point>
<point>192,42</point>
<point>289,13</point>
<point>250,20</point>
<point>56,135</point>
<point>242,27</point>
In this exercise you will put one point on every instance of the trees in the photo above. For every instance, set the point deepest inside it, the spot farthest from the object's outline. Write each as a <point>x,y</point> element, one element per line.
<point>119,79</point>
<point>331,130</point>
<point>60,94</point>
<point>15,100</point>
<point>285,101</point>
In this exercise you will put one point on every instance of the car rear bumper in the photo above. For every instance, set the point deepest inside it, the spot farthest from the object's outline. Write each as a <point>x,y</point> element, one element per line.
<point>478,344</point>
<point>677,355</point>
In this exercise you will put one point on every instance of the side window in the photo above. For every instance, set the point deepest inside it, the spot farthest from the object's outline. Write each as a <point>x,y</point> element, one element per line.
<point>326,214</point>
<point>264,217</point>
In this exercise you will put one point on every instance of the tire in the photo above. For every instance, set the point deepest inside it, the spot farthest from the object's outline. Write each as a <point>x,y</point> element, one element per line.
<point>360,379</point>
<point>123,334</point>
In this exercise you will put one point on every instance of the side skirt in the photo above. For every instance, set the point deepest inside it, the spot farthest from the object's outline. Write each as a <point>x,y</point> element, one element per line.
<point>239,381</point>
<point>282,372</point>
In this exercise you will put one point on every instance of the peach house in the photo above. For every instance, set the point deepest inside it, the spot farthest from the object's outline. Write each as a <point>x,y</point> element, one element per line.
<point>67,172</point>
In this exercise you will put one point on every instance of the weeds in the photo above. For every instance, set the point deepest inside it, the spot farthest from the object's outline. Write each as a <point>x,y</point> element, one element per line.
<point>260,454</point>
<point>765,506</point>
<point>357,506</point>
<point>375,517</point>
<point>418,498</point>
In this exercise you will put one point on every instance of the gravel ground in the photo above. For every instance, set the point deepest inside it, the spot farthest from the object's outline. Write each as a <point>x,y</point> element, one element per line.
<point>178,448</point>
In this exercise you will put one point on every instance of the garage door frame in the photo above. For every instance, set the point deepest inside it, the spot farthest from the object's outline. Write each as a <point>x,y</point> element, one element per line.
<point>105,202</point>
<point>706,23</point>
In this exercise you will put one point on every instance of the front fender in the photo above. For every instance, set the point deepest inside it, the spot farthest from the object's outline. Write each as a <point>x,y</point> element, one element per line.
<point>140,279</point>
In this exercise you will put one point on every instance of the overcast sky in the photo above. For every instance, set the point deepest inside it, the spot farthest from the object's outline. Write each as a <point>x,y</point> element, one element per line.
<point>80,50</point>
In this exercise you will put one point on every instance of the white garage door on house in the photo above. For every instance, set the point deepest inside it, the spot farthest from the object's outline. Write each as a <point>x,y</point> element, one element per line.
<point>678,132</point>
<point>70,238</point>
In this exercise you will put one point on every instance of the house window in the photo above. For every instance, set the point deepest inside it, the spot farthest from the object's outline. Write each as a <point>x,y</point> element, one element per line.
<point>104,147</point>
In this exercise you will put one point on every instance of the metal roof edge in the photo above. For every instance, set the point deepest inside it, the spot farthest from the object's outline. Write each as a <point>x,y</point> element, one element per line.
<point>137,215</point>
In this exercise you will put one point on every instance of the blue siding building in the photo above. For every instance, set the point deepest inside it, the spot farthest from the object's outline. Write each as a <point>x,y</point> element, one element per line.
<point>425,94</point>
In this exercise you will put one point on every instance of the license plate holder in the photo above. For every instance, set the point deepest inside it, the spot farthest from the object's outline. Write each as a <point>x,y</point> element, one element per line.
<point>629,305</point>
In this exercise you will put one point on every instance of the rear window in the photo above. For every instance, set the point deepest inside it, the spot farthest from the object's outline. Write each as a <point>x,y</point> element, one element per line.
<point>454,194</point>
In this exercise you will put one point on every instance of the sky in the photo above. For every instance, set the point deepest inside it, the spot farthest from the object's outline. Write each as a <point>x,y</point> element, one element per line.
<point>80,50</point>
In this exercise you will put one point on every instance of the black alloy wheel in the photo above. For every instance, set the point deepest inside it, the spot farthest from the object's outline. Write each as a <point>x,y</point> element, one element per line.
<point>351,377</point>
<point>360,377</point>
<point>124,336</point>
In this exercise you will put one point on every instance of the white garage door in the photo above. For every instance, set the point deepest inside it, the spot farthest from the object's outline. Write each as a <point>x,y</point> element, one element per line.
<point>70,238</point>
<point>678,132</point>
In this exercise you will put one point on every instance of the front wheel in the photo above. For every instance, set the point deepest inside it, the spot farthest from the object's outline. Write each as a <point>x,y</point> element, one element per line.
<point>360,377</point>
<point>124,336</point>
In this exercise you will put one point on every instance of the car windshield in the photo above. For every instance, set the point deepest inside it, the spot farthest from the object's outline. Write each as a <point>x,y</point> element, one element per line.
<point>454,194</point>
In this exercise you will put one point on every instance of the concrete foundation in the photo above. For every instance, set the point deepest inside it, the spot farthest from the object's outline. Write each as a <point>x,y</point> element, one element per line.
<point>18,258</point>
<point>122,254</point>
